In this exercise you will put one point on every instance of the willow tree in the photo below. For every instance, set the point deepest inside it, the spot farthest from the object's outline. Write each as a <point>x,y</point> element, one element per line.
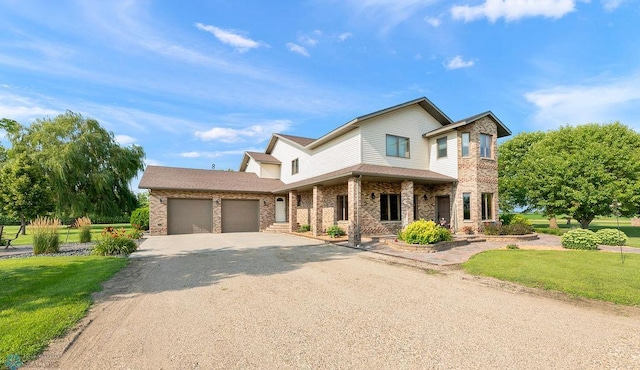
<point>87,170</point>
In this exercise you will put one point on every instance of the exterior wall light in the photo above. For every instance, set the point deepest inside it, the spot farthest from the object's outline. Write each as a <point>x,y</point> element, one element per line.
<point>373,195</point>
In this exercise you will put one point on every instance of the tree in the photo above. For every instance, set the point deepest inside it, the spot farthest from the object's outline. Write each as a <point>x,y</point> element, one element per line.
<point>579,171</point>
<point>88,172</point>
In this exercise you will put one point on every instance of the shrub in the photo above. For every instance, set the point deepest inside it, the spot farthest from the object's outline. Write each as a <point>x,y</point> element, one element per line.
<point>424,232</point>
<point>468,230</point>
<point>512,246</point>
<point>492,229</point>
<point>140,219</point>
<point>84,224</point>
<point>580,239</point>
<point>506,218</point>
<point>335,231</point>
<point>612,237</point>
<point>45,235</point>
<point>517,229</point>
<point>115,242</point>
<point>519,220</point>
<point>304,228</point>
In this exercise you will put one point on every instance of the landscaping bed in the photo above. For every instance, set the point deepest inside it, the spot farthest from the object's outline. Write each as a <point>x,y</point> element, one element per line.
<point>426,248</point>
<point>511,238</point>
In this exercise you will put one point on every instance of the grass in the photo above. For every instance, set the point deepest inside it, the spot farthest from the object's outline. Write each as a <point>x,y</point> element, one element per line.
<point>588,274</point>
<point>67,235</point>
<point>541,224</point>
<point>42,297</point>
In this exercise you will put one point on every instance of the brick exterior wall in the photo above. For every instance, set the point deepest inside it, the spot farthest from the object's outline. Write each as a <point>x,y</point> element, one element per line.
<point>304,209</point>
<point>158,208</point>
<point>476,175</point>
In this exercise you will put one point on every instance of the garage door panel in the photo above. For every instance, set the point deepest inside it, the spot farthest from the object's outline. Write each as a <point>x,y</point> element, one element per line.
<point>189,216</point>
<point>240,215</point>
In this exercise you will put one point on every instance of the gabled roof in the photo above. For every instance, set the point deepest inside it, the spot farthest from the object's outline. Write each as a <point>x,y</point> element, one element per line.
<point>175,178</point>
<point>502,129</point>
<point>296,140</point>
<point>258,157</point>
<point>383,173</point>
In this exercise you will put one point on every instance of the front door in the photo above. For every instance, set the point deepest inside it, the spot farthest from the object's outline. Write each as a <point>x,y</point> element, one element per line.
<point>443,210</point>
<point>281,210</point>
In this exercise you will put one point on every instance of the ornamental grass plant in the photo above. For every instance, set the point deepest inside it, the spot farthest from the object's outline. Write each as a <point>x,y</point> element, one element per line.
<point>84,224</point>
<point>45,235</point>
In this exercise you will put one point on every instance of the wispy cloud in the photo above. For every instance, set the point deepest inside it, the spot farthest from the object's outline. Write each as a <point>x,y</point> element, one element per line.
<point>389,13</point>
<point>344,36</point>
<point>512,10</point>
<point>125,140</point>
<point>259,132</point>
<point>611,5</point>
<point>230,37</point>
<point>457,62</point>
<point>298,49</point>
<point>602,101</point>
<point>311,39</point>
<point>216,154</point>
<point>24,109</point>
<point>433,21</point>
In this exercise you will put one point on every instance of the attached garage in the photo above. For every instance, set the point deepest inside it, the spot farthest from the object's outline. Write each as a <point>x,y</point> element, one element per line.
<point>189,216</point>
<point>240,215</point>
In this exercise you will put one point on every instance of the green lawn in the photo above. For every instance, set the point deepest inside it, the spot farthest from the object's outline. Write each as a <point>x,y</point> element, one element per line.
<point>589,274</point>
<point>66,235</point>
<point>540,223</point>
<point>42,297</point>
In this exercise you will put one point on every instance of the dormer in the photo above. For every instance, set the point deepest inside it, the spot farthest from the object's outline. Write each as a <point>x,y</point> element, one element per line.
<point>264,165</point>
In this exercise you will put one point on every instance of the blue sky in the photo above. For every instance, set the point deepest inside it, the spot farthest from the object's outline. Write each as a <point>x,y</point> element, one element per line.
<point>198,83</point>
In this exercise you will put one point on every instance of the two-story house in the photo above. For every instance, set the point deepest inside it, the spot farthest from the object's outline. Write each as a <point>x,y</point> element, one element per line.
<point>373,175</point>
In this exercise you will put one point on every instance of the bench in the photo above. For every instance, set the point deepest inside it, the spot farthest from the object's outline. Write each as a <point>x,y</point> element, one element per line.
<point>7,241</point>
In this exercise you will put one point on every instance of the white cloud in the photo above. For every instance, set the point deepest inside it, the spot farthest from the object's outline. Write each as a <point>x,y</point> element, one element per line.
<point>344,36</point>
<point>190,155</point>
<point>610,100</point>
<point>297,49</point>
<point>230,37</point>
<point>311,39</point>
<point>434,22</point>
<point>457,62</point>
<point>125,140</point>
<point>512,10</point>
<point>611,5</point>
<point>259,132</point>
<point>389,13</point>
<point>216,154</point>
<point>24,109</point>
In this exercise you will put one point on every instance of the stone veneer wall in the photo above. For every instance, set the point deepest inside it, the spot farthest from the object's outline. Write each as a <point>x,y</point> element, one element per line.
<point>304,209</point>
<point>477,175</point>
<point>158,210</point>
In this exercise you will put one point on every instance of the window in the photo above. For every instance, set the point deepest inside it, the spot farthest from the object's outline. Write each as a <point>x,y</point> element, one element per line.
<point>466,206</point>
<point>442,147</point>
<point>294,166</point>
<point>397,146</point>
<point>389,207</point>
<point>415,207</point>
<point>465,143</point>
<point>343,207</point>
<point>298,200</point>
<point>487,206</point>
<point>485,146</point>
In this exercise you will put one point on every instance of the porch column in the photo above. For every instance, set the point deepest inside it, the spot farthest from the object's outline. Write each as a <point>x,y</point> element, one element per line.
<point>406,195</point>
<point>316,212</point>
<point>293,211</point>
<point>353,196</point>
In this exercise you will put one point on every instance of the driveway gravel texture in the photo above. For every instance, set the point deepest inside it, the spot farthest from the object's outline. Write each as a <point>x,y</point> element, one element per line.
<point>268,301</point>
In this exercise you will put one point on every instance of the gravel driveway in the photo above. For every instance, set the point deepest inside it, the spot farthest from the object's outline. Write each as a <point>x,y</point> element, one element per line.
<point>287,302</point>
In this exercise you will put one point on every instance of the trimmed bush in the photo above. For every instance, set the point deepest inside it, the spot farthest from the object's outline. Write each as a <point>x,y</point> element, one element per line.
<point>335,231</point>
<point>304,228</point>
<point>506,218</point>
<point>612,237</point>
<point>424,232</point>
<point>519,220</point>
<point>580,239</point>
<point>45,235</point>
<point>115,242</point>
<point>140,219</point>
<point>84,224</point>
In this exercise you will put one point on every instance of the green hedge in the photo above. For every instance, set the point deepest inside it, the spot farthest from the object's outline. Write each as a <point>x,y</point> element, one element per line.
<point>612,237</point>
<point>424,232</point>
<point>580,239</point>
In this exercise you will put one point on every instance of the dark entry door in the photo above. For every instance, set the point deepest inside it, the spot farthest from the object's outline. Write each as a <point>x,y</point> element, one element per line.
<point>443,209</point>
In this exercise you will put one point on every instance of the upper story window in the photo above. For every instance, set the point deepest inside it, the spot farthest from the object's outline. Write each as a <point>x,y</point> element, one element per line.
<point>442,147</point>
<point>397,146</point>
<point>485,145</point>
<point>466,138</point>
<point>294,166</point>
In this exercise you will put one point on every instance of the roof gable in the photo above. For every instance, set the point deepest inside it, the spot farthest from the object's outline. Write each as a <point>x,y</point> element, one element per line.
<point>258,157</point>
<point>502,129</point>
